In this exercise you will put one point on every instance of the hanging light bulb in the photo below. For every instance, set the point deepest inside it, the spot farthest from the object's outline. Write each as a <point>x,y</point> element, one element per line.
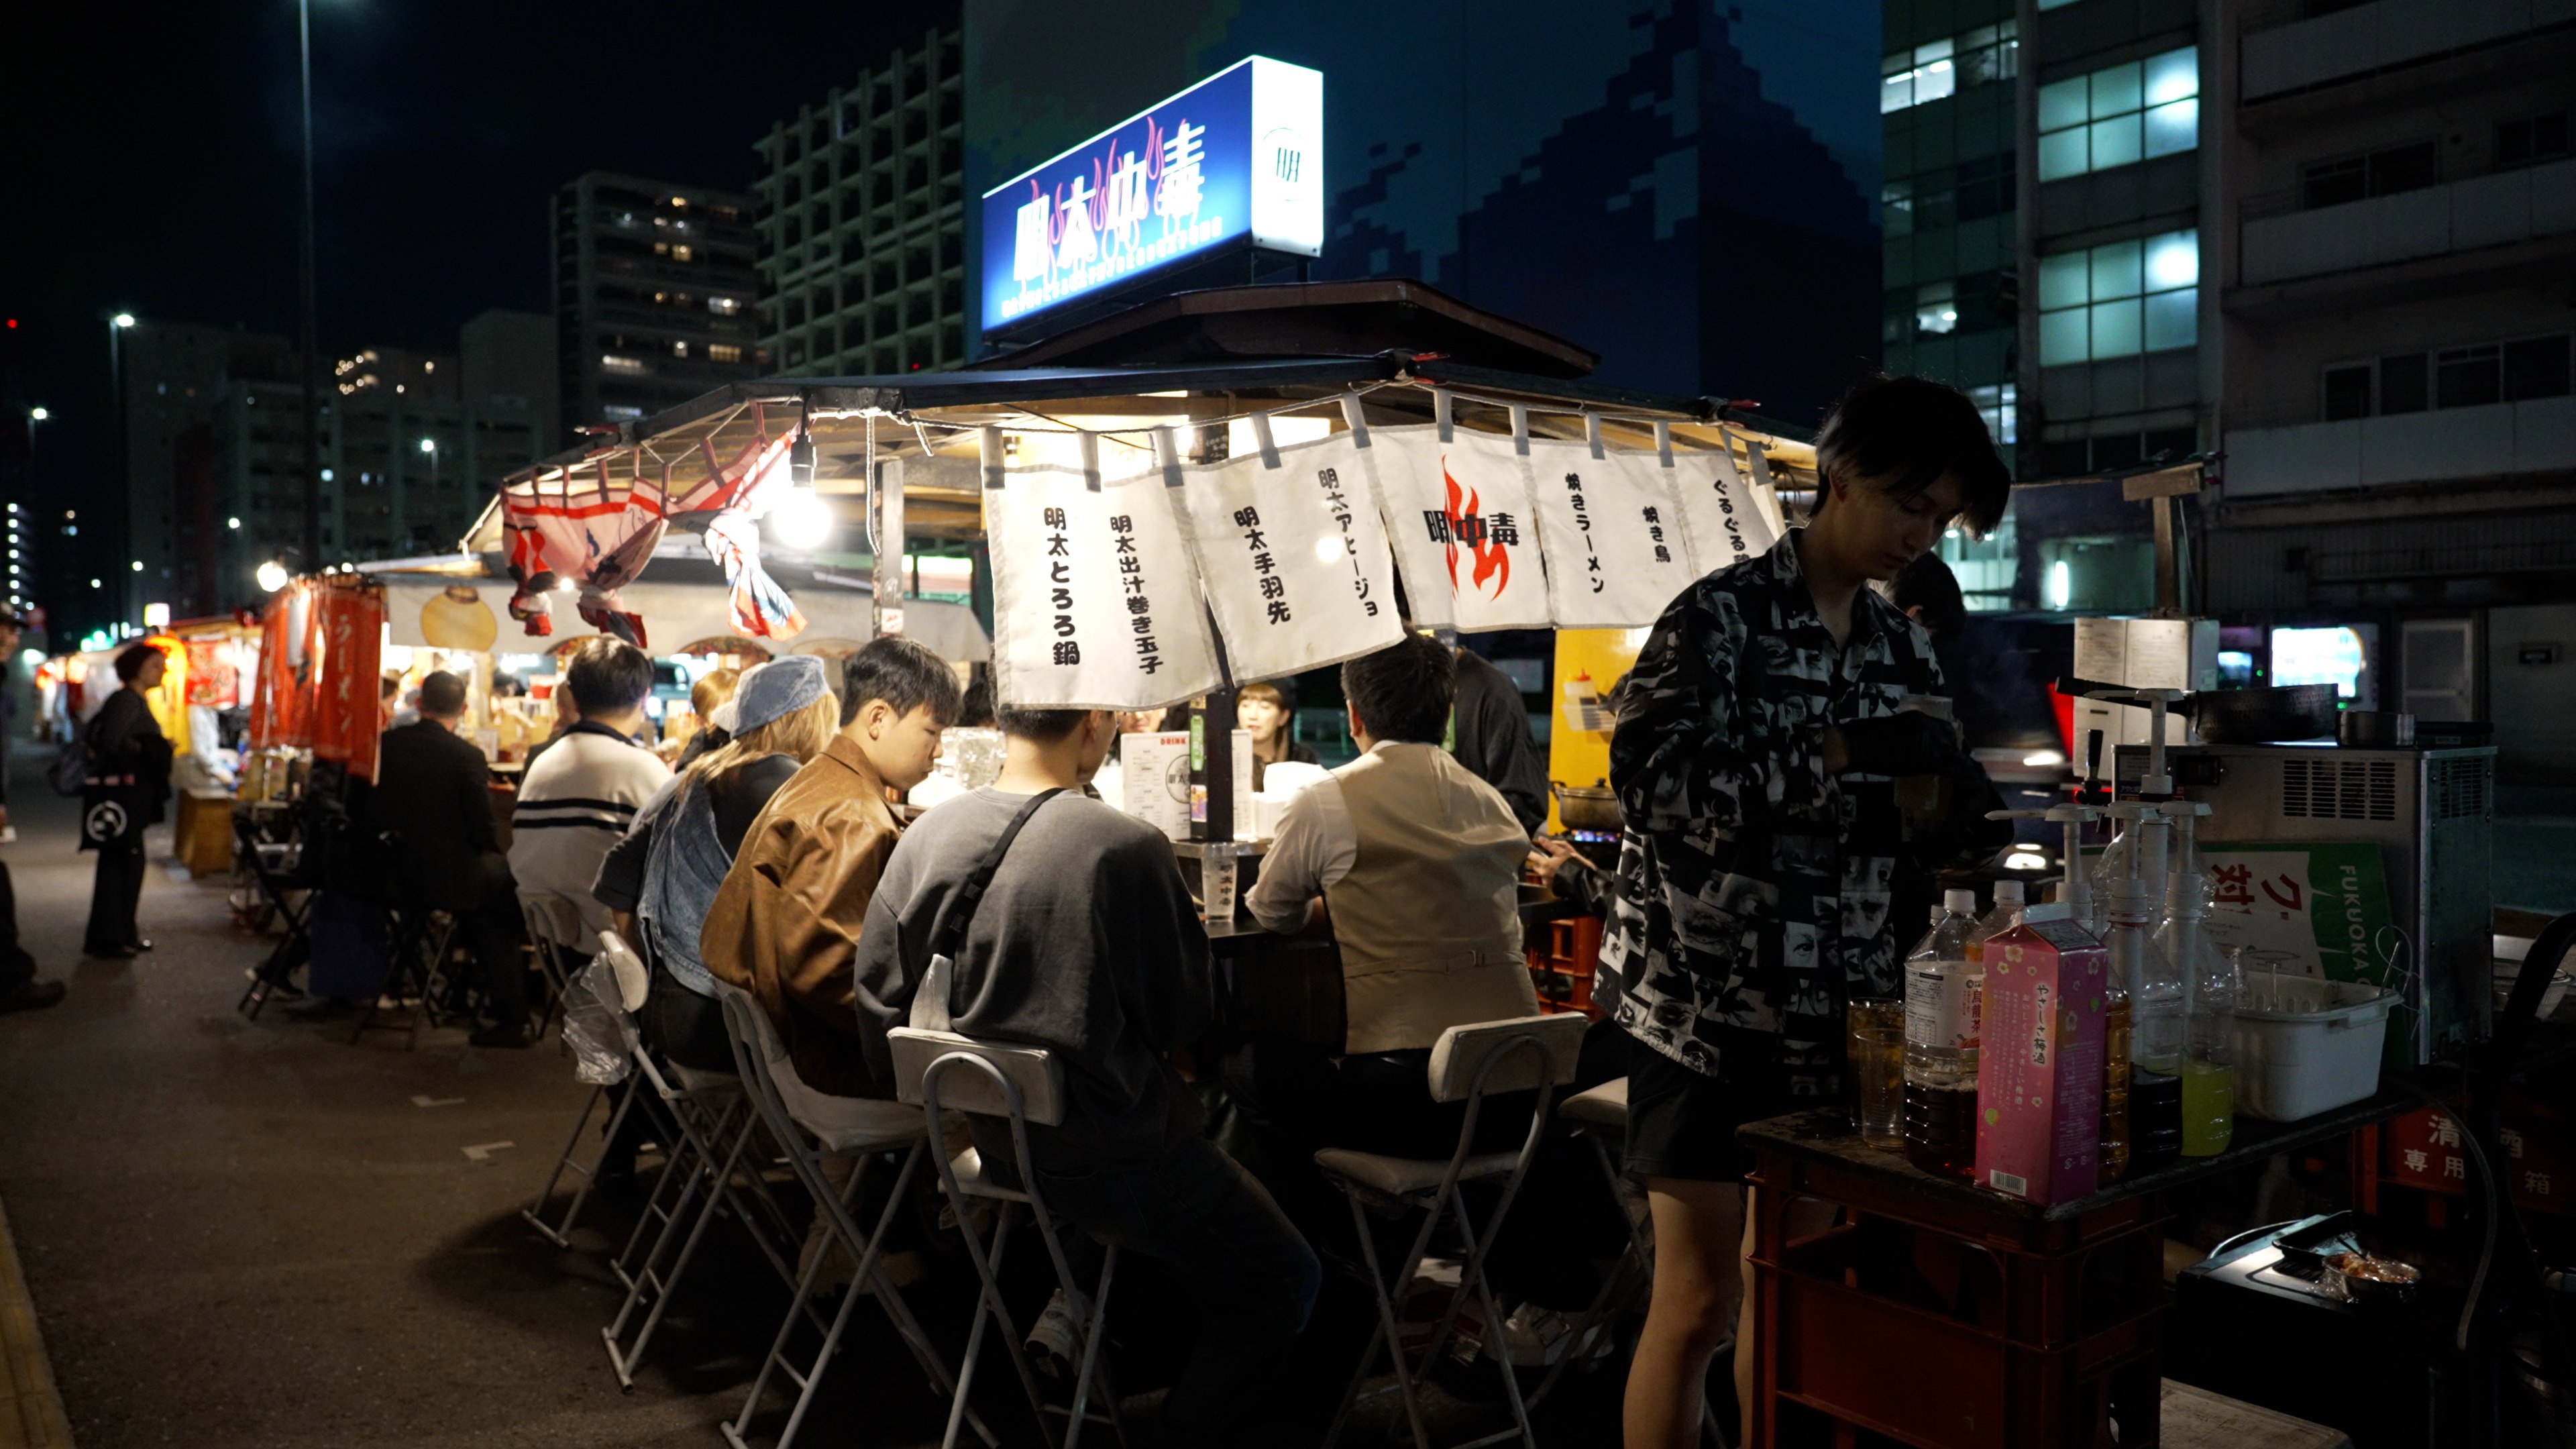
<point>272,576</point>
<point>802,522</point>
<point>800,460</point>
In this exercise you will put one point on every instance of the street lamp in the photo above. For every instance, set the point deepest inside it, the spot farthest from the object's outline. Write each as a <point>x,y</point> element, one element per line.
<point>430,447</point>
<point>37,415</point>
<point>117,327</point>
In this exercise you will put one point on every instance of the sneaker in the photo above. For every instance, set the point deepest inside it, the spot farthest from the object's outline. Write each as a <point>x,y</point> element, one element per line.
<point>33,996</point>
<point>1054,1340</point>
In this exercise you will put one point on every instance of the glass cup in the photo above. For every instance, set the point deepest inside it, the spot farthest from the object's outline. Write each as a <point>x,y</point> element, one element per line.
<point>1877,1055</point>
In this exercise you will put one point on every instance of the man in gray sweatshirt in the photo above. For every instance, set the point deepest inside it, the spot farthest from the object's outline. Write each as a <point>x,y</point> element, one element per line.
<point>1086,943</point>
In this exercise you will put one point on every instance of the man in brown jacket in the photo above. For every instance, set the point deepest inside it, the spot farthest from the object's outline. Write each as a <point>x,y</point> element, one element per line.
<point>786,922</point>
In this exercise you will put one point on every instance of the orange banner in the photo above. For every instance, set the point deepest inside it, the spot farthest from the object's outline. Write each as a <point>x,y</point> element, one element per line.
<point>350,624</point>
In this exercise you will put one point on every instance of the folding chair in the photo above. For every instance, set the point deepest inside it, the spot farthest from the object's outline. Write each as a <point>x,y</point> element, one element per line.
<point>632,983</point>
<point>1468,1064</point>
<point>277,867</point>
<point>939,1069</point>
<point>552,920</point>
<point>418,970</point>
<point>813,1127</point>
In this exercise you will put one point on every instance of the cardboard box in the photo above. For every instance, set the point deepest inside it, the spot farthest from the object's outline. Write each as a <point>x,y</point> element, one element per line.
<point>2039,1072</point>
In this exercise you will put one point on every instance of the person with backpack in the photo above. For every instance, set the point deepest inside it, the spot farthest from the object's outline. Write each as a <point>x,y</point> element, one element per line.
<point>123,791</point>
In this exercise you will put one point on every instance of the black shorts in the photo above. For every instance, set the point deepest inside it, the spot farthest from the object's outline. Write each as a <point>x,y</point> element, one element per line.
<point>1682,1124</point>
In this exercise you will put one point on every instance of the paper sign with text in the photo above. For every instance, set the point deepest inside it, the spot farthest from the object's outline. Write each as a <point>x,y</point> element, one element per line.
<point>1459,516</point>
<point>1719,511</point>
<point>1095,595</point>
<point>2325,904</point>
<point>1615,552</point>
<point>1294,558</point>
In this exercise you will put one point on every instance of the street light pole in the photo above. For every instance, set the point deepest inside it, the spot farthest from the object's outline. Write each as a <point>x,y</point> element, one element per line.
<point>312,347</point>
<point>117,327</point>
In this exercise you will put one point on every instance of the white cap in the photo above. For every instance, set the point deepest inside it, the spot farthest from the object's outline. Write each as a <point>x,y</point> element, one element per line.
<point>2008,892</point>
<point>1962,902</point>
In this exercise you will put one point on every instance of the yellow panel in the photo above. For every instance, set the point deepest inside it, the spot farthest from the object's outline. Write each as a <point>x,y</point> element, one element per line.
<point>1588,662</point>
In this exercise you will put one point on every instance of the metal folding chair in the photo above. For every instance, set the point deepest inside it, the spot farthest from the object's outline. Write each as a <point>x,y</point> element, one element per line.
<point>417,973</point>
<point>276,866</point>
<point>812,1128</point>
<point>632,983</point>
<point>551,921</point>
<point>941,1070</point>
<point>1468,1064</point>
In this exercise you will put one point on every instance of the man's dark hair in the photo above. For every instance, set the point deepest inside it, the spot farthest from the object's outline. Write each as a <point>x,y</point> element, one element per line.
<point>608,676</point>
<point>1404,691</point>
<point>977,711</point>
<point>1040,726</point>
<point>1928,584</point>
<point>1899,435</point>
<point>388,686</point>
<point>442,695</point>
<point>131,662</point>
<point>903,673</point>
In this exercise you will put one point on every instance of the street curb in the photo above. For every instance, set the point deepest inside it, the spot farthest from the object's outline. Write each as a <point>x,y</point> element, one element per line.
<point>31,1407</point>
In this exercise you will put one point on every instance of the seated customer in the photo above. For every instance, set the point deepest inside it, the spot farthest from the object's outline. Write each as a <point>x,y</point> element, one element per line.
<point>1262,710</point>
<point>1414,865</point>
<point>578,798</point>
<point>433,794</point>
<point>706,697</point>
<point>664,875</point>
<point>787,919</point>
<point>1086,944</point>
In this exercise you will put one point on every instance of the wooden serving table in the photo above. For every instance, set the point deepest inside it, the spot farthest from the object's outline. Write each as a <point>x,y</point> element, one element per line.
<point>1940,1314</point>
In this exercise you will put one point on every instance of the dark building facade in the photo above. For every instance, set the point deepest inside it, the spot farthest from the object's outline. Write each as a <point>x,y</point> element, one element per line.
<point>654,296</point>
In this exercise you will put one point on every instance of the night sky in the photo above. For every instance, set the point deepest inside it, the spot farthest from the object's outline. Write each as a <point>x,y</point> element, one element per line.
<point>152,158</point>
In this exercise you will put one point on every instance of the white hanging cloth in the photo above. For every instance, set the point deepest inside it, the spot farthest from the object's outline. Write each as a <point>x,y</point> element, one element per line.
<point>1724,519</point>
<point>1294,557</point>
<point>1095,595</point>
<point>1614,536</point>
<point>1464,537</point>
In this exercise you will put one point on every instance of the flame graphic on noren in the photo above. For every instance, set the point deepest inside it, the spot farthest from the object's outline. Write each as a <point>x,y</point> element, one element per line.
<point>1492,559</point>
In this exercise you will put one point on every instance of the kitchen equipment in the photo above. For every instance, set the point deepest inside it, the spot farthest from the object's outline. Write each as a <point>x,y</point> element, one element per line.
<point>1580,807</point>
<point>2429,812</point>
<point>2316,1049</point>
<point>2258,716</point>
<point>2375,729</point>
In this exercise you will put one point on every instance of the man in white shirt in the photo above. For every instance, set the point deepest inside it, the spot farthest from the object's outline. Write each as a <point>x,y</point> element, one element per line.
<point>577,800</point>
<point>1413,866</point>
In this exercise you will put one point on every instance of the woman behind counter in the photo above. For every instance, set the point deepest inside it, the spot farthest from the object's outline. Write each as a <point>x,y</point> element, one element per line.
<point>128,781</point>
<point>1755,758</point>
<point>1263,710</point>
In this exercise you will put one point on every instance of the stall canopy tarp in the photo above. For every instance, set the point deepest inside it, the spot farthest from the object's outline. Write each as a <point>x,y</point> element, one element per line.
<point>446,612</point>
<point>1496,501</point>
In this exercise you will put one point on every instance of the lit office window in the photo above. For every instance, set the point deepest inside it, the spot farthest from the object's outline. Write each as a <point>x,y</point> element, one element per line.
<point>2120,115</point>
<point>1985,567</point>
<point>1999,404</point>
<point>2120,300</point>
<point>1936,308</point>
<point>1941,68</point>
<point>724,306</point>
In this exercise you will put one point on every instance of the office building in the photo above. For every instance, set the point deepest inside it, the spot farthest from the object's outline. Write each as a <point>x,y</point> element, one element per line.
<point>653,296</point>
<point>862,221</point>
<point>161,545</point>
<point>1948,101</point>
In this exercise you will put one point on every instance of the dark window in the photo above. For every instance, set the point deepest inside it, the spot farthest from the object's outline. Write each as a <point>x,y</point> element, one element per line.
<point>2531,138</point>
<point>2404,384</point>
<point>2332,183</point>
<point>1986,187</point>
<point>2347,393</point>
<point>2405,168</point>
<point>2384,172</point>
<point>2169,442</point>
<point>2116,452</point>
<point>2468,377</point>
<point>2535,368</point>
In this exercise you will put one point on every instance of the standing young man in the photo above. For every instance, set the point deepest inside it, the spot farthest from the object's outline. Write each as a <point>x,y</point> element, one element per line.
<point>786,923</point>
<point>1086,944</point>
<point>1767,719</point>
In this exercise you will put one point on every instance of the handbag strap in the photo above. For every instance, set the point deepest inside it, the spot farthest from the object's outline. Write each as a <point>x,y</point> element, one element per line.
<point>948,932</point>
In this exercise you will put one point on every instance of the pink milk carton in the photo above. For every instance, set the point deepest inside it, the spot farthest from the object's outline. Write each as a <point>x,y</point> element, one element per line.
<point>2039,1072</point>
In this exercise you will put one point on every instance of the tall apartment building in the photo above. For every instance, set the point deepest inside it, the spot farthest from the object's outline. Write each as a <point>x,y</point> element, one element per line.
<point>653,296</point>
<point>1948,99</point>
<point>173,377</point>
<point>863,221</point>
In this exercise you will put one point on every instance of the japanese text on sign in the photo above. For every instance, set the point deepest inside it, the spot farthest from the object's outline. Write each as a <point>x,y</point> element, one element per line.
<point>1131,580</point>
<point>1336,500</point>
<point>1274,590</point>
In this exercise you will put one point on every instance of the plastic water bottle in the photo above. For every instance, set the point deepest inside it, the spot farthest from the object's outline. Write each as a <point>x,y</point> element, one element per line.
<point>2005,916</point>
<point>1941,1006</point>
<point>2209,1073</point>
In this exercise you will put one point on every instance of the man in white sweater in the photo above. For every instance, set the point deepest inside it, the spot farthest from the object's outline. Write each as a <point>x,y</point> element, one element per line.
<point>579,797</point>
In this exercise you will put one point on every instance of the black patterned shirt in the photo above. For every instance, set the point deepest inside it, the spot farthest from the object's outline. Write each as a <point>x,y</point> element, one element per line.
<point>1753,889</point>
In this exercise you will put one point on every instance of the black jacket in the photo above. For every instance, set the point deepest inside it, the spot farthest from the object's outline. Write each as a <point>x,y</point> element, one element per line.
<point>1493,738</point>
<point>129,767</point>
<point>434,791</point>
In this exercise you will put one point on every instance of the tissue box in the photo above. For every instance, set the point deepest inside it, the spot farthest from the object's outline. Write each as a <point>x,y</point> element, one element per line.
<point>2039,1071</point>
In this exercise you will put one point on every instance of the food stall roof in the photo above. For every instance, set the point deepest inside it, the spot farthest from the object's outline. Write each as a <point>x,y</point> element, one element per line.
<point>842,413</point>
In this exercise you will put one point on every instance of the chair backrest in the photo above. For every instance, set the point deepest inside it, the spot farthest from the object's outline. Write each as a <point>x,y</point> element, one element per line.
<point>761,1055</point>
<point>965,1087</point>
<point>634,979</point>
<point>1463,1050</point>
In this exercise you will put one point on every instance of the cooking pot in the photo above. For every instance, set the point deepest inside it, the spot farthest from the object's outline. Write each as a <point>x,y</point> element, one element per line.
<point>1580,807</point>
<point>2264,716</point>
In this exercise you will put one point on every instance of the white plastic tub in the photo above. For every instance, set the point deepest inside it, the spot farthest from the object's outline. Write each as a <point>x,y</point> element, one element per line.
<point>2317,1051</point>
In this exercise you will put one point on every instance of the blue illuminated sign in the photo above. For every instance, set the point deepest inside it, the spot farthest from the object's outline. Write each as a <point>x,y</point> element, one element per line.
<point>1237,156</point>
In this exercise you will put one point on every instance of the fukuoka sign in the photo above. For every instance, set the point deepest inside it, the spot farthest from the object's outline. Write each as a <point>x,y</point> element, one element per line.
<point>1239,155</point>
